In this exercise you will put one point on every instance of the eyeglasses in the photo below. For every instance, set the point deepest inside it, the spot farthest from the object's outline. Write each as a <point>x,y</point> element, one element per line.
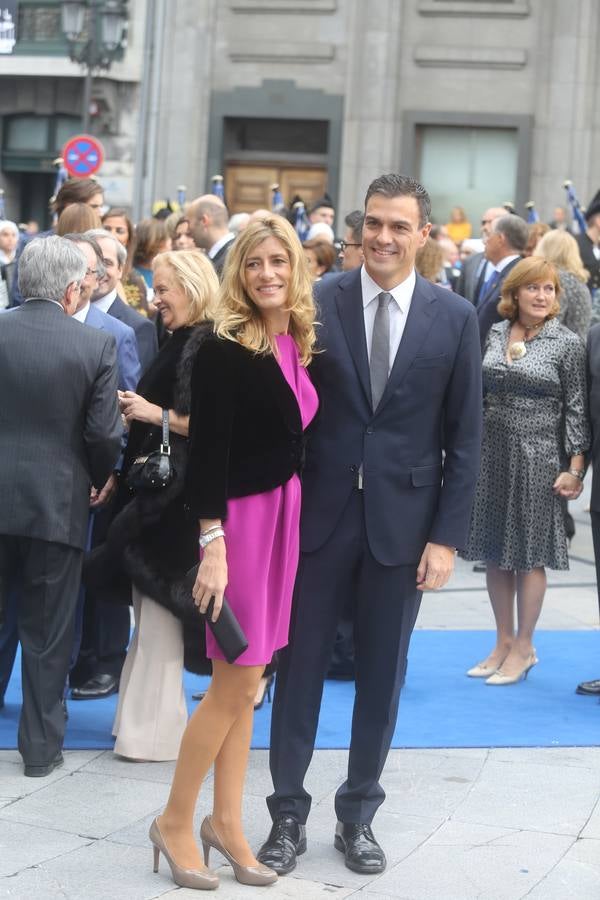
<point>342,245</point>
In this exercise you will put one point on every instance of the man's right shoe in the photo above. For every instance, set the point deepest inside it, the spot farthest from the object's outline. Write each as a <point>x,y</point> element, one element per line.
<point>286,841</point>
<point>590,688</point>
<point>42,771</point>
<point>97,687</point>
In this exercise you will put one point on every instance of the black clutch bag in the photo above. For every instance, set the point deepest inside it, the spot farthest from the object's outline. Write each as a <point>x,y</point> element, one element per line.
<point>226,630</point>
<point>154,471</point>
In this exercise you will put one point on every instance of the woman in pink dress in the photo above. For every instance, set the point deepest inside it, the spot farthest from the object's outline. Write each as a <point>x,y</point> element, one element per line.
<point>251,402</point>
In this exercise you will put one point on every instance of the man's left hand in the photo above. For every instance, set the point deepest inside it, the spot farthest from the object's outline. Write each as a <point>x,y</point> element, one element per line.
<point>106,494</point>
<point>436,567</point>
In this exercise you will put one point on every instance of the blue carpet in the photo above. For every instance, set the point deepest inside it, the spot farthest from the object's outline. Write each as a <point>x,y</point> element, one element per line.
<point>439,706</point>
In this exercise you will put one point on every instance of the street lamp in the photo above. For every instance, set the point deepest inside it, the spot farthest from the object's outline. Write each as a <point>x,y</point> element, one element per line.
<point>95,30</point>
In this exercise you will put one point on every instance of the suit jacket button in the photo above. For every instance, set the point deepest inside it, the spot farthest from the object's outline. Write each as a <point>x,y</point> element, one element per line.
<point>369,430</point>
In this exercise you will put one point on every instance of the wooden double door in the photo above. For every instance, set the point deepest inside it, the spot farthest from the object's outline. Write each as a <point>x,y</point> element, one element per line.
<point>248,187</point>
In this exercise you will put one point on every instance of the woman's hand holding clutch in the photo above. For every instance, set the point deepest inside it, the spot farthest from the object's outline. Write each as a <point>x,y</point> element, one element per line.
<point>211,580</point>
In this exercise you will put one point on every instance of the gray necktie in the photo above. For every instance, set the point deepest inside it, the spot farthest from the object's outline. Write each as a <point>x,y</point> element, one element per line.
<point>379,362</point>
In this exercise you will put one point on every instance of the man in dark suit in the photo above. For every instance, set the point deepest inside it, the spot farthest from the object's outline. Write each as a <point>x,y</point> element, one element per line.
<point>388,486</point>
<point>593,367</point>
<point>503,248</point>
<point>106,623</point>
<point>106,299</point>
<point>209,225</point>
<point>128,367</point>
<point>589,249</point>
<point>476,269</point>
<point>60,435</point>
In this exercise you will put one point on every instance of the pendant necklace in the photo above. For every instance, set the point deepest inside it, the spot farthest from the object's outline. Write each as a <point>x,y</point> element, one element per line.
<point>517,350</point>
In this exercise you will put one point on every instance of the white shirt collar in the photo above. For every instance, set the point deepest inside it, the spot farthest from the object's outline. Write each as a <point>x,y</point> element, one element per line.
<point>81,314</point>
<point>402,293</point>
<point>499,267</point>
<point>105,303</point>
<point>220,243</point>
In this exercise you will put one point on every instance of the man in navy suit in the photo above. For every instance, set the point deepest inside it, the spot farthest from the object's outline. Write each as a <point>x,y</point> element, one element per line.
<point>127,351</point>
<point>106,299</point>
<point>390,475</point>
<point>106,622</point>
<point>503,248</point>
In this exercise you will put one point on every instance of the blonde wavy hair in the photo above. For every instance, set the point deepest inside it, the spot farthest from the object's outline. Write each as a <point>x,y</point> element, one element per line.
<point>562,250</point>
<point>239,319</point>
<point>528,271</point>
<point>195,275</point>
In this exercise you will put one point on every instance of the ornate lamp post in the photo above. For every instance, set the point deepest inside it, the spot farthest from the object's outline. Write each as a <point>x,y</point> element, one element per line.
<point>96,32</point>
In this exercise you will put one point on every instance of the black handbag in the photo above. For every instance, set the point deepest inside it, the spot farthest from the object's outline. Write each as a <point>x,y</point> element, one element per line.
<point>155,471</point>
<point>227,630</point>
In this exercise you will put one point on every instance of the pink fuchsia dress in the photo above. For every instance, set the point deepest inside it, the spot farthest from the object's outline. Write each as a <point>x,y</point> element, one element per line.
<point>262,536</point>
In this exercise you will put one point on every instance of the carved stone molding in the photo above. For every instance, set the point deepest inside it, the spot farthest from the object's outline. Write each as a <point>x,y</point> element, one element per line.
<point>501,9</point>
<point>283,7</point>
<point>281,51</point>
<point>469,57</point>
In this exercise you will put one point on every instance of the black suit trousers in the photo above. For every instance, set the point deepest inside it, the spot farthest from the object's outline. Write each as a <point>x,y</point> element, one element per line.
<point>386,603</point>
<point>45,577</point>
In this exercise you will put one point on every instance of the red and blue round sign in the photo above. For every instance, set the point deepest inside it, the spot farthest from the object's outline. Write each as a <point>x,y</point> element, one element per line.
<point>82,156</point>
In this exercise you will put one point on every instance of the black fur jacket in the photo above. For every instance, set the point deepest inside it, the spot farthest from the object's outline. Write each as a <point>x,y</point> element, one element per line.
<point>153,539</point>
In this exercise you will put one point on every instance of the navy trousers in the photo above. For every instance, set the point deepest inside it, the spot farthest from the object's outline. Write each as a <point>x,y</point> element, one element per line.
<point>386,603</point>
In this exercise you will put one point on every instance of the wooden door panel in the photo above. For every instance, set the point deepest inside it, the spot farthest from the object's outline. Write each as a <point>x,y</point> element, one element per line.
<point>307,183</point>
<point>248,187</point>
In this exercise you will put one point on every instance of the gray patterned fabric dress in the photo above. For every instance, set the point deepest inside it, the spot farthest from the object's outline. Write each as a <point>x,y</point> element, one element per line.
<point>534,421</point>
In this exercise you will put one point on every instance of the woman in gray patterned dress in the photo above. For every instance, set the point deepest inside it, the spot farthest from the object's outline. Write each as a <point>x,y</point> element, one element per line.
<point>535,434</point>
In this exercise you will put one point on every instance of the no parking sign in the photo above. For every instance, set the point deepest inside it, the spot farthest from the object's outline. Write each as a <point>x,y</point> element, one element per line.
<point>82,156</point>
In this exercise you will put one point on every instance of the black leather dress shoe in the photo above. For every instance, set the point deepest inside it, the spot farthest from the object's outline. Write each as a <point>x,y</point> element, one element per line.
<point>591,688</point>
<point>96,687</point>
<point>286,841</point>
<point>361,851</point>
<point>41,771</point>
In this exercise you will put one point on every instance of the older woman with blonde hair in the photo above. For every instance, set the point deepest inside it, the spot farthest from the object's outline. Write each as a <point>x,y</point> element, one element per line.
<point>535,435</point>
<point>562,250</point>
<point>152,540</point>
<point>252,396</point>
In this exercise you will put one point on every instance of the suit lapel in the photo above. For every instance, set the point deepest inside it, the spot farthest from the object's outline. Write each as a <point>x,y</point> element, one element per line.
<point>421,315</point>
<point>350,310</point>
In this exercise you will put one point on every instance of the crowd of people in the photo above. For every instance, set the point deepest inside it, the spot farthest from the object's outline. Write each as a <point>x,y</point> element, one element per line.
<point>165,385</point>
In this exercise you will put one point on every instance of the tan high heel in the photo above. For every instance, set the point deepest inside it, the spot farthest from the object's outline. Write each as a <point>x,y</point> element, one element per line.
<point>481,671</point>
<point>499,678</point>
<point>190,878</point>
<point>255,875</point>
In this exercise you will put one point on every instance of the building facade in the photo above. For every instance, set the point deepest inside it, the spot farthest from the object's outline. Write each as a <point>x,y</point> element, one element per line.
<point>485,101</point>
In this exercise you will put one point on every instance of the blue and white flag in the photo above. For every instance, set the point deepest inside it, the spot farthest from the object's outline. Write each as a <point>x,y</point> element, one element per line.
<point>217,187</point>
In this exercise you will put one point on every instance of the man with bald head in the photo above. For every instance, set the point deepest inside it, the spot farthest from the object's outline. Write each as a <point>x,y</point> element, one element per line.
<point>209,226</point>
<point>476,269</point>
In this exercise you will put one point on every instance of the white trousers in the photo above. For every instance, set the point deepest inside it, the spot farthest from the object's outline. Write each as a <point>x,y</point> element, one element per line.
<point>152,712</point>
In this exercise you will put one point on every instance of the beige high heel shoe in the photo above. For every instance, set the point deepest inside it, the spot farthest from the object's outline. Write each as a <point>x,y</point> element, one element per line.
<point>190,878</point>
<point>255,875</point>
<point>499,678</point>
<point>481,671</point>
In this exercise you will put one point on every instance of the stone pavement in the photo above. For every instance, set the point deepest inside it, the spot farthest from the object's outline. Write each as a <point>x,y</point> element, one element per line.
<point>472,824</point>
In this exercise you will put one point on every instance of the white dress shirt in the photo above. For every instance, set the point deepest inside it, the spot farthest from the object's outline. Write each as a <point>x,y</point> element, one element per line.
<point>220,243</point>
<point>105,303</point>
<point>81,314</point>
<point>399,308</point>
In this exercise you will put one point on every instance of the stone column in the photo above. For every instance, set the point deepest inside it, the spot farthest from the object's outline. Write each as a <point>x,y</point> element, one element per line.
<point>370,144</point>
